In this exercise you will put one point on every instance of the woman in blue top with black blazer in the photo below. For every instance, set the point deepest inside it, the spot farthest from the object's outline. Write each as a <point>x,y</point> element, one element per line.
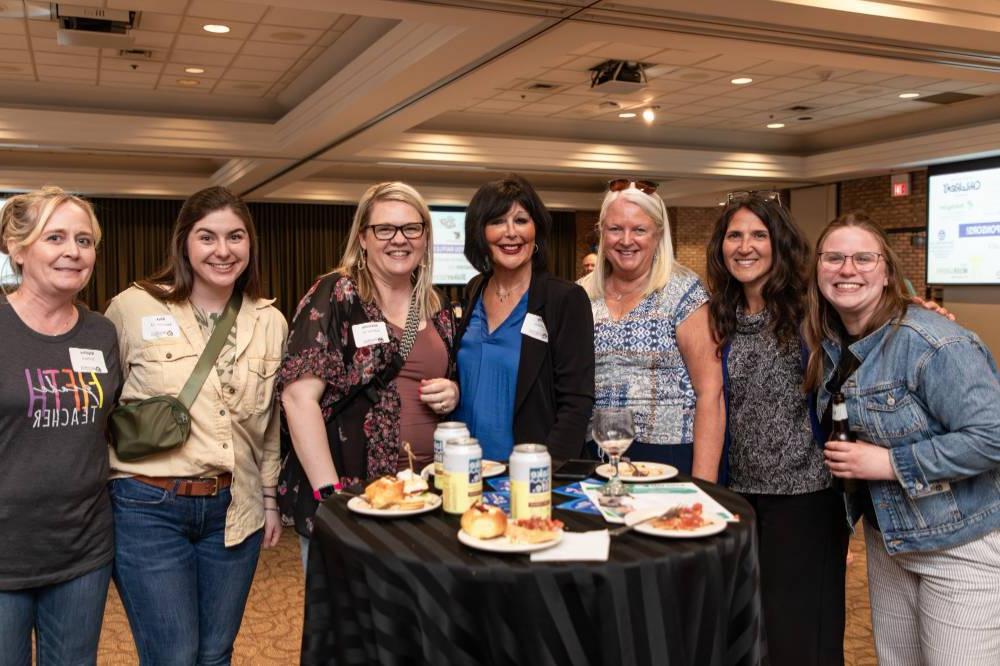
<point>526,350</point>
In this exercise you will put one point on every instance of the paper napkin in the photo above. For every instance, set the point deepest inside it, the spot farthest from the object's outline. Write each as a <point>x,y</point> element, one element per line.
<point>577,547</point>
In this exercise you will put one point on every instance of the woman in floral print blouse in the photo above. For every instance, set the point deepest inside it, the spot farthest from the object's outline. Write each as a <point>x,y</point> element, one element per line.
<point>348,329</point>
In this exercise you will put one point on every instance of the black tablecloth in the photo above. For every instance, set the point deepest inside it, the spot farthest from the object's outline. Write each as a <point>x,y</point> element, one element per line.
<point>405,591</point>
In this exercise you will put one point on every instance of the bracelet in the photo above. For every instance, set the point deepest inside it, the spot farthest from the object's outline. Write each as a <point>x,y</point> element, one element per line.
<point>269,508</point>
<point>323,492</point>
<point>271,496</point>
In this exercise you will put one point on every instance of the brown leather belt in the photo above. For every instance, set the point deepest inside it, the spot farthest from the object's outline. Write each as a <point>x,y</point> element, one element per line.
<point>189,487</point>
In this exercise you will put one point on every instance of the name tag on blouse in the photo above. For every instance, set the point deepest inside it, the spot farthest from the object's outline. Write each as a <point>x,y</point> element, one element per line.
<point>87,360</point>
<point>155,327</point>
<point>372,333</point>
<point>534,327</point>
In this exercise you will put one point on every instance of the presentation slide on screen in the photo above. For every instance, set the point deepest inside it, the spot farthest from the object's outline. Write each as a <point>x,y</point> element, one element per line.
<point>963,228</point>
<point>450,266</point>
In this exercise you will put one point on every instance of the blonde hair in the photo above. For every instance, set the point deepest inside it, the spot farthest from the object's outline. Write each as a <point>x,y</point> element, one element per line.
<point>663,257</point>
<point>25,216</point>
<point>427,296</point>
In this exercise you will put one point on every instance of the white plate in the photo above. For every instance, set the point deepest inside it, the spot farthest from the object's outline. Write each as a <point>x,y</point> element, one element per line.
<point>657,472</point>
<point>361,505</point>
<point>714,526</point>
<point>503,545</point>
<point>490,468</point>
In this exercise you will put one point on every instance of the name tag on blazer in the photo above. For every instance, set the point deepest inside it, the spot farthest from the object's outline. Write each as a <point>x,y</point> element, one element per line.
<point>534,327</point>
<point>155,327</point>
<point>371,333</point>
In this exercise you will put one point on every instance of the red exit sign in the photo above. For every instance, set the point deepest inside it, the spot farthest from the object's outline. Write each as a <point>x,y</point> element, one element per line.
<point>901,185</point>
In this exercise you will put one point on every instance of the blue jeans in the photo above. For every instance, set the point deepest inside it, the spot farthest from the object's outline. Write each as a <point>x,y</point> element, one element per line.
<point>66,618</point>
<point>184,592</point>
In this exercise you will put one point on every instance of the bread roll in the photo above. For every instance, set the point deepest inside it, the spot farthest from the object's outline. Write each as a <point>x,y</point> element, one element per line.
<point>385,492</point>
<point>483,521</point>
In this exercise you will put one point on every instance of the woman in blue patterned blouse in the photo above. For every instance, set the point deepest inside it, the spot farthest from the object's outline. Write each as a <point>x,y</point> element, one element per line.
<point>653,346</point>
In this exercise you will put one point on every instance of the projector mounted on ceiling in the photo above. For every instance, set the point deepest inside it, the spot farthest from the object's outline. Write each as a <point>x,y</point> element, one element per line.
<point>618,77</point>
<point>94,27</point>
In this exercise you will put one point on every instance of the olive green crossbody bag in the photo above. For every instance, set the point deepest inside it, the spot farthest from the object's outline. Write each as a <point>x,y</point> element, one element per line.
<point>163,422</point>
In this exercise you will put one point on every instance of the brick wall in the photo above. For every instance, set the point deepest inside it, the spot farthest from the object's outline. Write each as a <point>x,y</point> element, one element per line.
<point>872,195</point>
<point>691,229</point>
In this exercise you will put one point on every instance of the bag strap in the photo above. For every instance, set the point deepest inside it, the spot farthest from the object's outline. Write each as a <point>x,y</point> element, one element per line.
<point>212,350</point>
<point>381,379</point>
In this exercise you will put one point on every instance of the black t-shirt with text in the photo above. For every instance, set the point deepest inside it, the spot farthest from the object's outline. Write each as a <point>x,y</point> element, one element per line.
<point>55,396</point>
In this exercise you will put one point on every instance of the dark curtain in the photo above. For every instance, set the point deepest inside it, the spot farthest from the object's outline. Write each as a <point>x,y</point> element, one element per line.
<point>297,243</point>
<point>562,245</point>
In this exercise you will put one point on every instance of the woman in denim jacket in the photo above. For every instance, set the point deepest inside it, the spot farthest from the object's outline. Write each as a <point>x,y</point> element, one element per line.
<point>923,399</point>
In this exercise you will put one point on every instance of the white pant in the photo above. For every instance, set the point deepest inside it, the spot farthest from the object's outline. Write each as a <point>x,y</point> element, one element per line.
<point>939,608</point>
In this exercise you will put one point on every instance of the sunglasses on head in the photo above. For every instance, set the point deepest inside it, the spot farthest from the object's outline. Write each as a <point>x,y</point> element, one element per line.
<point>743,195</point>
<point>644,186</point>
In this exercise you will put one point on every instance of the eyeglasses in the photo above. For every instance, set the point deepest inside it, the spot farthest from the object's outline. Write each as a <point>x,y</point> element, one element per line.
<point>743,195</point>
<point>387,232</point>
<point>864,262</point>
<point>644,186</point>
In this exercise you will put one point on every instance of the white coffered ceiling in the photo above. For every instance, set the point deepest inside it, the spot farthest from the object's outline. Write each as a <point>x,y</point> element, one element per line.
<point>314,99</point>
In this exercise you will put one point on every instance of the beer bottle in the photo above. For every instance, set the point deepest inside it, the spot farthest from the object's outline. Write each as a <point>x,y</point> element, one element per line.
<point>842,433</point>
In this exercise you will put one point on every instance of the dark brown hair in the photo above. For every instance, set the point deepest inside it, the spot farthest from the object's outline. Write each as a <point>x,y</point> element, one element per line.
<point>784,289</point>
<point>822,320</point>
<point>492,201</point>
<point>174,281</point>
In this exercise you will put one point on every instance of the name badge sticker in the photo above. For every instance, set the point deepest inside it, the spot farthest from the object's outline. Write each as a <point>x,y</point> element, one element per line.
<point>372,333</point>
<point>155,327</point>
<point>87,360</point>
<point>534,327</point>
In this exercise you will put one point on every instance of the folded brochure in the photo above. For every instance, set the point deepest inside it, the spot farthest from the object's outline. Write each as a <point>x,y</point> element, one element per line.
<point>655,496</point>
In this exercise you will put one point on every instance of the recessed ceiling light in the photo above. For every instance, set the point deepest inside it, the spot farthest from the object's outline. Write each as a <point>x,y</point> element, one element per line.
<point>741,81</point>
<point>188,82</point>
<point>194,70</point>
<point>775,125</point>
<point>909,95</point>
<point>287,36</point>
<point>627,114</point>
<point>216,28</point>
<point>649,113</point>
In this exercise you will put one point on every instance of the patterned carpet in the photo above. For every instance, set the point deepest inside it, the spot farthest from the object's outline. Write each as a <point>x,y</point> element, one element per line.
<point>272,625</point>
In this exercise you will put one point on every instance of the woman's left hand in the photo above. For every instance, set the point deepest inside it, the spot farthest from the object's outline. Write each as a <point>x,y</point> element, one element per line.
<point>440,394</point>
<point>272,526</point>
<point>859,460</point>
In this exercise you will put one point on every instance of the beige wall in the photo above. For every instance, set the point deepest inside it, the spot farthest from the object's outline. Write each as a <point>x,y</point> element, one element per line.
<point>978,309</point>
<point>813,208</point>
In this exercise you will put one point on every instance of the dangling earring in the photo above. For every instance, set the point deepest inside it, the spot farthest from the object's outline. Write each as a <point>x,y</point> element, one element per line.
<point>362,263</point>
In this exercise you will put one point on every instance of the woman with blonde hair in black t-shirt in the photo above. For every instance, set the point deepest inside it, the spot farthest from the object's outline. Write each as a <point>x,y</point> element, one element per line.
<point>59,377</point>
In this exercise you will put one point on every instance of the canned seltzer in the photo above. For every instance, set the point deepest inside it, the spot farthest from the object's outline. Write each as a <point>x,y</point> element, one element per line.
<point>463,472</point>
<point>444,432</point>
<point>530,482</point>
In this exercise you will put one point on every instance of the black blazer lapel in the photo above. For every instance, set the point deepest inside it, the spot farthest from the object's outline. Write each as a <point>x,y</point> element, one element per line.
<point>532,351</point>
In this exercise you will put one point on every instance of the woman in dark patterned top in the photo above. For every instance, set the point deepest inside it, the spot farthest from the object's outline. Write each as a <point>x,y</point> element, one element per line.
<point>348,329</point>
<point>757,278</point>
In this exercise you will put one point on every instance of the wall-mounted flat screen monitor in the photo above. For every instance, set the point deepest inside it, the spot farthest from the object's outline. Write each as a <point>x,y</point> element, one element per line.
<point>963,223</point>
<point>450,266</point>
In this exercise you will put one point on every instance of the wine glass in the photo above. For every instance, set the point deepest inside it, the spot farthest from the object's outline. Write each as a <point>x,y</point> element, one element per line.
<point>613,431</point>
